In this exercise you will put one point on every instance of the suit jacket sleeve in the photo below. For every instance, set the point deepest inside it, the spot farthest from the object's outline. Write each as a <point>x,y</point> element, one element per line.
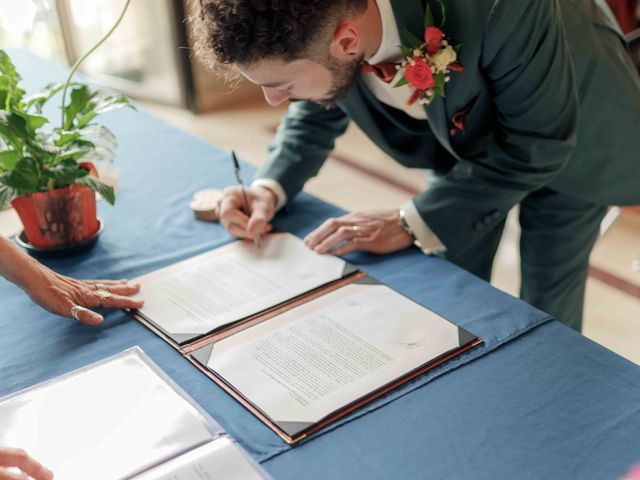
<point>526,61</point>
<point>302,143</point>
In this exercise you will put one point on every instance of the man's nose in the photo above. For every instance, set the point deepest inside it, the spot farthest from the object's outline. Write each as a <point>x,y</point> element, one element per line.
<point>275,97</point>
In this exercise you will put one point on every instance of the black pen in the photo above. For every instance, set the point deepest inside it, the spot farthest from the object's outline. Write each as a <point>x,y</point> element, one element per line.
<point>245,200</point>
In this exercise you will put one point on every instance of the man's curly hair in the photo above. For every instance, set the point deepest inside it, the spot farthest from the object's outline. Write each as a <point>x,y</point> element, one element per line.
<point>242,32</point>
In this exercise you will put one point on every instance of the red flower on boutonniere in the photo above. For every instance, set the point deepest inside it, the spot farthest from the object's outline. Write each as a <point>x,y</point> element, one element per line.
<point>428,64</point>
<point>433,36</point>
<point>418,73</point>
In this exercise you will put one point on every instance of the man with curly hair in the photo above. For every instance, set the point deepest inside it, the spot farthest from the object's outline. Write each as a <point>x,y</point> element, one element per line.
<point>545,115</point>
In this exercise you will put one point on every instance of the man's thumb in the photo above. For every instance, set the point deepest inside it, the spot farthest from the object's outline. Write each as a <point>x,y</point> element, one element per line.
<point>260,216</point>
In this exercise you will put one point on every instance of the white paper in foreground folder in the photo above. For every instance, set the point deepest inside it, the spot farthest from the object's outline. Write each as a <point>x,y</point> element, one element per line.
<point>110,420</point>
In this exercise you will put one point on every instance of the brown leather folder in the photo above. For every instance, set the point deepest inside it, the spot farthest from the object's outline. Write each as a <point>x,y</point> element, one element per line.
<point>195,351</point>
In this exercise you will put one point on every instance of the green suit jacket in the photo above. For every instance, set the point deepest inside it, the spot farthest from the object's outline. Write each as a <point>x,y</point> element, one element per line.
<point>554,102</point>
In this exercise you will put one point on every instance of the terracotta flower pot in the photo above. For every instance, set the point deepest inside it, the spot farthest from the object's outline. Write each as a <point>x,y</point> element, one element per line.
<point>61,217</point>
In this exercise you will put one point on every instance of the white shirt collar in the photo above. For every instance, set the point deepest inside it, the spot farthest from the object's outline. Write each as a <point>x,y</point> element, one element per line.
<point>389,51</point>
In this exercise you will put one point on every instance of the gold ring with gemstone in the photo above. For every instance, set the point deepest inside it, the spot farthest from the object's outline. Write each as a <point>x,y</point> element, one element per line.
<point>102,296</point>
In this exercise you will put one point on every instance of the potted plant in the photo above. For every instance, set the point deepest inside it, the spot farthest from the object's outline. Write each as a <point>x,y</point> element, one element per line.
<point>48,175</point>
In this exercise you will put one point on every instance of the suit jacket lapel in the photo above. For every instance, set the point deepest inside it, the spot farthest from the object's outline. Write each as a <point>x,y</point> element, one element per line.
<point>410,15</point>
<point>437,116</point>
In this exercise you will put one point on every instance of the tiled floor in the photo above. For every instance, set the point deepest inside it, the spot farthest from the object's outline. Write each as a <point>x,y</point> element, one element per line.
<point>612,316</point>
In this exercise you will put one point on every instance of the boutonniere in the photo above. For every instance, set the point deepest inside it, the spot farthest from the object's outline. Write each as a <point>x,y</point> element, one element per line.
<point>428,63</point>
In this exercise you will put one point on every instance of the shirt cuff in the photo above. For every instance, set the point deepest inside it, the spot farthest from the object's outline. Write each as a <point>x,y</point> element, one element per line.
<point>275,187</point>
<point>430,244</point>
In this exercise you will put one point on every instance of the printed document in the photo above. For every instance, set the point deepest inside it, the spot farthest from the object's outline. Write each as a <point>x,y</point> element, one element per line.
<point>233,282</point>
<point>301,366</point>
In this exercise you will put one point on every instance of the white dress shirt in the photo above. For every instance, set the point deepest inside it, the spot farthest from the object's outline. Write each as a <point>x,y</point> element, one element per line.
<point>388,51</point>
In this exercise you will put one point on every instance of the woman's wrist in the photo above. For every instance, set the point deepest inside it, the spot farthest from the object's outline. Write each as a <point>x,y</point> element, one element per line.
<point>18,267</point>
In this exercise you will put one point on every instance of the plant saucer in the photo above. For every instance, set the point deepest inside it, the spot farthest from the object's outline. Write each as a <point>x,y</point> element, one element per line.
<point>67,250</point>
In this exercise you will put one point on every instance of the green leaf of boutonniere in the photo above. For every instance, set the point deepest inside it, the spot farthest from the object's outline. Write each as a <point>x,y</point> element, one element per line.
<point>444,13</point>
<point>411,39</point>
<point>406,51</point>
<point>429,21</point>
<point>402,82</point>
<point>440,82</point>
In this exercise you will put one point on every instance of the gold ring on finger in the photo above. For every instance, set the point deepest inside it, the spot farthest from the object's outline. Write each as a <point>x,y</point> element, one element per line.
<point>102,296</point>
<point>98,285</point>
<point>357,231</point>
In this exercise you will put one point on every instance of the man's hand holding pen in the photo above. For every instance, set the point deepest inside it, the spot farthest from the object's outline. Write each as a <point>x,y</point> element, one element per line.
<point>247,221</point>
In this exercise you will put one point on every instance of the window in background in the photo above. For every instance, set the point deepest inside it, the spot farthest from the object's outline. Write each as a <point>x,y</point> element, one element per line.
<point>32,24</point>
<point>142,57</point>
<point>147,58</point>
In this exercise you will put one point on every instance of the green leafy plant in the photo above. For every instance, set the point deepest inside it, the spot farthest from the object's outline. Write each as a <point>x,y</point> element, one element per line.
<point>34,159</point>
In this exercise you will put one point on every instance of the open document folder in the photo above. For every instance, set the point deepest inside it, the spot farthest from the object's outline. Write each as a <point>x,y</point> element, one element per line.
<point>120,418</point>
<point>204,293</point>
<point>300,339</point>
<point>307,367</point>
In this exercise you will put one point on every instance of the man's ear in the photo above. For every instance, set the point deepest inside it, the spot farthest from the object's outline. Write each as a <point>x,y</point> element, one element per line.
<point>345,42</point>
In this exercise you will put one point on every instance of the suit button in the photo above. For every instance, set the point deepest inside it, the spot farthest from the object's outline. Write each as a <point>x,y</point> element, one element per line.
<point>478,226</point>
<point>495,214</point>
<point>488,220</point>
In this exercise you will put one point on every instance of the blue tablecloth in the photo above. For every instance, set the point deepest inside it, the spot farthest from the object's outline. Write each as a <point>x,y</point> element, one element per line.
<point>535,401</point>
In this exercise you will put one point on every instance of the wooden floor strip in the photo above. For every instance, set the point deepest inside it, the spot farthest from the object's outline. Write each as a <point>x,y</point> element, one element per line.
<point>371,172</point>
<point>615,281</point>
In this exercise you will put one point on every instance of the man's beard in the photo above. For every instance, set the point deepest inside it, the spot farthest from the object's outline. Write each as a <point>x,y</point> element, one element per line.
<point>344,76</point>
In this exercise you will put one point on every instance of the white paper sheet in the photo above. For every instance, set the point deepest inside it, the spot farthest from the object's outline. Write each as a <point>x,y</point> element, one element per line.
<point>104,423</point>
<point>233,282</point>
<point>311,361</point>
<point>218,460</point>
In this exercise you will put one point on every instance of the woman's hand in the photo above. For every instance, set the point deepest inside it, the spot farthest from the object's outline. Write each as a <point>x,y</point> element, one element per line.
<point>73,298</point>
<point>62,295</point>
<point>27,466</point>
<point>377,231</point>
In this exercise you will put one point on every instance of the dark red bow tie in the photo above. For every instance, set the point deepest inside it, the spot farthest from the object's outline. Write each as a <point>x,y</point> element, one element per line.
<point>384,71</point>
